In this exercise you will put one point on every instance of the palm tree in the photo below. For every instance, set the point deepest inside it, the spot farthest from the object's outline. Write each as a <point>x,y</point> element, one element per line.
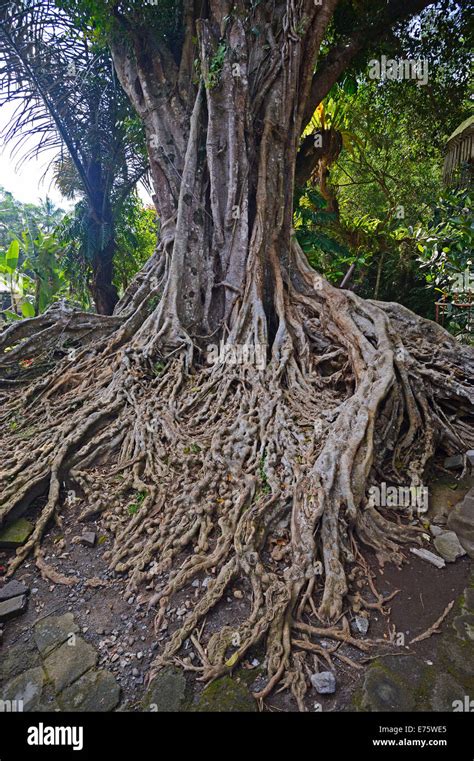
<point>68,98</point>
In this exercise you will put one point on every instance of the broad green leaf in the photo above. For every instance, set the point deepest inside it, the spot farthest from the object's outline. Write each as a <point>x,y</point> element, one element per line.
<point>12,255</point>
<point>27,309</point>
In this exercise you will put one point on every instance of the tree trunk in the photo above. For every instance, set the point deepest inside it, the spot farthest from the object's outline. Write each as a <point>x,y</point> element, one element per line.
<point>256,472</point>
<point>102,288</point>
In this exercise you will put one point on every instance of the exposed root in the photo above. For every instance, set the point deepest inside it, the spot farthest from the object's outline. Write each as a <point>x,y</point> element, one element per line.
<point>241,475</point>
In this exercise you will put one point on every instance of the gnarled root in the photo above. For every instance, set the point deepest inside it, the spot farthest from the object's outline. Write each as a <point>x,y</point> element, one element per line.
<point>247,476</point>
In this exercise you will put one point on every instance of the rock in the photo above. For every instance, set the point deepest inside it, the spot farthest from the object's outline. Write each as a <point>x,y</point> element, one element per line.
<point>12,608</point>
<point>464,626</point>
<point>407,668</point>
<point>96,691</point>
<point>448,546</point>
<point>469,599</point>
<point>225,695</point>
<point>17,658</point>
<point>430,557</point>
<point>13,589</point>
<point>52,631</point>
<point>461,521</point>
<point>455,462</point>
<point>360,625</point>
<point>16,534</point>
<point>27,687</point>
<point>436,530</point>
<point>458,656</point>
<point>88,538</point>
<point>68,662</point>
<point>166,693</point>
<point>324,682</point>
<point>470,457</point>
<point>382,691</point>
<point>445,692</point>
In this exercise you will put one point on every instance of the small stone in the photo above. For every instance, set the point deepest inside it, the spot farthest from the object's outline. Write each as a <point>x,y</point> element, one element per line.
<point>135,672</point>
<point>88,538</point>
<point>360,625</point>
<point>454,462</point>
<point>324,682</point>
<point>238,594</point>
<point>207,581</point>
<point>448,546</point>
<point>13,589</point>
<point>16,534</point>
<point>195,583</point>
<point>12,608</point>
<point>255,663</point>
<point>131,600</point>
<point>470,457</point>
<point>139,655</point>
<point>430,557</point>
<point>436,530</point>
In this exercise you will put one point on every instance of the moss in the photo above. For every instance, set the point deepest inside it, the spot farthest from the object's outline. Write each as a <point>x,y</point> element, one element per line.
<point>225,695</point>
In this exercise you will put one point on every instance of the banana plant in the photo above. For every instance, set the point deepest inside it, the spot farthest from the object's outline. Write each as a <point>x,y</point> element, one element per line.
<point>16,283</point>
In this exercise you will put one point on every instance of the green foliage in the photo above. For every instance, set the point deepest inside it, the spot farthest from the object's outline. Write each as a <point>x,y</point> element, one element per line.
<point>135,241</point>
<point>135,238</point>
<point>31,275</point>
<point>446,244</point>
<point>315,230</point>
<point>215,65</point>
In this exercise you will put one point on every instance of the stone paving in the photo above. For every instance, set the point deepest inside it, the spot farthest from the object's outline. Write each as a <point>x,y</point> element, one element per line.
<point>55,670</point>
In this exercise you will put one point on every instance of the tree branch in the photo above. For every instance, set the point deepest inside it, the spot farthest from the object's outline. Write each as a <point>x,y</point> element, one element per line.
<point>339,58</point>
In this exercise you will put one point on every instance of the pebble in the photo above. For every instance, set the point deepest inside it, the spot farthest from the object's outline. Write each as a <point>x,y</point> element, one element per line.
<point>360,625</point>
<point>430,557</point>
<point>88,538</point>
<point>324,682</point>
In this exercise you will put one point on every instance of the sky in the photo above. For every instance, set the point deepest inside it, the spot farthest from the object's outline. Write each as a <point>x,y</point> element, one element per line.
<point>27,182</point>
